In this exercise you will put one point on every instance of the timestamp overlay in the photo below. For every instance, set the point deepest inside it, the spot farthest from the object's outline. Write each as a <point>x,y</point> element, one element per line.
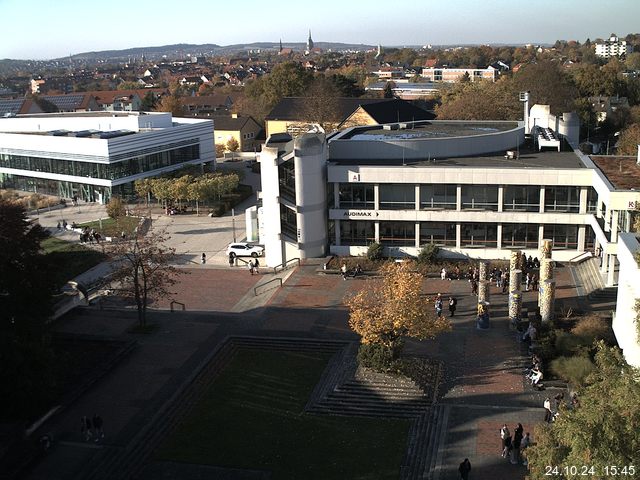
<point>606,471</point>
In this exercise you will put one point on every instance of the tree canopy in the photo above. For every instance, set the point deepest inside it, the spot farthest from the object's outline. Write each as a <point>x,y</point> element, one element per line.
<point>386,310</point>
<point>602,431</point>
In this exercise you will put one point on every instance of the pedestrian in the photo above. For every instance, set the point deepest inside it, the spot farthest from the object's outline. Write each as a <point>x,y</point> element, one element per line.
<point>517,441</point>
<point>203,258</point>
<point>505,282</point>
<point>64,224</point>
<point>504,433</point>
<point>452,305</point>
<point>464,469</point>
<point>527,282</point>
<point>474,286</point>
<point>58,226</point>
<point>97,425</point>
<point>547,410</point>
<point>256,266</point>
<point>231,259</point>
<point>526,441</point>
<point>123,236</point>
<point>343,270</point>
<point>508,447</point>
<point>86,428</point>
<point>438,305</point>
<point>250,266</point>
<point>443,274</point>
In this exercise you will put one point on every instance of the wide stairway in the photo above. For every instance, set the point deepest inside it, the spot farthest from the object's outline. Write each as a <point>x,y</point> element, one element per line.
<point>591,286</point>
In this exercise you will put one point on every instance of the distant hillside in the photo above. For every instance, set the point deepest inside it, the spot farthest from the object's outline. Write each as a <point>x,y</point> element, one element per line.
<point>183,49</point>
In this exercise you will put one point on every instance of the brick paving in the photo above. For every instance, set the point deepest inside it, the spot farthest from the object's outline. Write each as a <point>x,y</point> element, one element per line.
<point>483,385</point>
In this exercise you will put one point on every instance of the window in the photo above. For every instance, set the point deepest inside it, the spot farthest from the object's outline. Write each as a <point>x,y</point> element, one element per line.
<point>521,235</point>
<point>286,176</point>
<point>438,197</point>
<point>479,197</point>
<point>442,234</point>
<point>356,233</point>
<point>563,236</point>
<point>356,195</point>
<point>397,197</point>
<point>562,199</point>
<point>521,198</point>
<point>288,222</point>
<point>478,235</point>
<point>398,233</point>
<point>592,200</point>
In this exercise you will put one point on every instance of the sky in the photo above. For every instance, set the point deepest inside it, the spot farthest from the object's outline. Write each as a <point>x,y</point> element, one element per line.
<point>45,29</point>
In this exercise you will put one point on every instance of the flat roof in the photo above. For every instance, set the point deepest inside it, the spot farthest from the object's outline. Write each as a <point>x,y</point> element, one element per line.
<point>528,157</point>
<point>428,130</point>
<point>622,172</point>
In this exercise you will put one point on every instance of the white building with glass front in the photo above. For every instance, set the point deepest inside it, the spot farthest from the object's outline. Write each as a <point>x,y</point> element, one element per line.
<point>95,155</point>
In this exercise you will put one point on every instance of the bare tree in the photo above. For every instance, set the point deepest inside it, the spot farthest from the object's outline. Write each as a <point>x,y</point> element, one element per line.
<point>142,270</point>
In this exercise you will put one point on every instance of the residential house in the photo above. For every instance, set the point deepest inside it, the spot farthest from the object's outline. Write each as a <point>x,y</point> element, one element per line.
<point>245,130</point>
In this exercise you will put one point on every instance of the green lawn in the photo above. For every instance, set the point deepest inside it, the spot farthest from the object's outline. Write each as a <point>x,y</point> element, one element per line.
<point>112,227</point>
<point>69,259</point>
<point>251,417</point>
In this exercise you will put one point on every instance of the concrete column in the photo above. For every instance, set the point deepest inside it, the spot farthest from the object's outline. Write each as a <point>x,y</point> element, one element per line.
<point>514,260</point>
<point>376,197</point>
<point>582,236</point>
<point>483,269</point>
<point>376,231</point>
<point>515,281</point>
<point>611,279</point>
<point>417,234</point>
<point>515,305</point>
<point>484,291</point>
<point>541,200</point>
<point>605,263</point>
<point>547,299</point>
<point>336,195</point>
<point>459,197</point>
<point>614,225</point>
<point>540,235</point>
<point>545,250</point>
<point>417,194</point>
<point>499,239</point>
<point>500,198</point>
<point>546,269</point>
<point>458,235</point>
<point>336,232</point>
<point>583,200</point>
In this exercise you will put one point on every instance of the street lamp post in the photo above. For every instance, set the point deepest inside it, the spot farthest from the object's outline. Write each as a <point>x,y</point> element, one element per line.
<point>233,222</point>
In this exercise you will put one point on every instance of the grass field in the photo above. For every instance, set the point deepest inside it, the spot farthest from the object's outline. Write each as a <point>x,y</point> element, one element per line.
<point>112,227</point>
<point>70,259</point>
<point>251,418</point>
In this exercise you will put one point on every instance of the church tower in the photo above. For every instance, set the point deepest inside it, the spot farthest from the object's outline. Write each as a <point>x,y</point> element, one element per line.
<point>309,44</point>
<point>280,51</point>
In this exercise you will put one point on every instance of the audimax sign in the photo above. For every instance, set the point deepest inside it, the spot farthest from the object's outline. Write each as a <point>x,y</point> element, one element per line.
<point>364,213</point>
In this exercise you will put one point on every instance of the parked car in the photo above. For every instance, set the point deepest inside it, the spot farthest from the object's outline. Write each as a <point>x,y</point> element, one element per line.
<point>245,249</point>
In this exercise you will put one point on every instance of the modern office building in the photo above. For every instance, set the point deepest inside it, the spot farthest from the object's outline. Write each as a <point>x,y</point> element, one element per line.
<point>450,75</point>
<point>95,155</point>
<point>475,189</point>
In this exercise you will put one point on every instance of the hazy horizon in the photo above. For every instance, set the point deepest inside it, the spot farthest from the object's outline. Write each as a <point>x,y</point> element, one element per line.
<point>68,27</point>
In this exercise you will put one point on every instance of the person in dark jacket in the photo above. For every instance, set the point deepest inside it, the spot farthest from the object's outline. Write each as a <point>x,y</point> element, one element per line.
<point>464,469</point>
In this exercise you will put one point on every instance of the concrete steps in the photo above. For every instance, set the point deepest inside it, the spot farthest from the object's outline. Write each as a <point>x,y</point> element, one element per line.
<point>588,276</point>
<point>426,438</point>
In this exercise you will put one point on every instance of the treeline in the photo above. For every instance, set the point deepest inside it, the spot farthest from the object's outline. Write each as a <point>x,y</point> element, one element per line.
<point>209,187</point>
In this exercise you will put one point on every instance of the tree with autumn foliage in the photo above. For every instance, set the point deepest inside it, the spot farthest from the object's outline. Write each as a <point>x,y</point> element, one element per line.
<point>142,270</point>
<point>601,432</point>
<point>392,307</point>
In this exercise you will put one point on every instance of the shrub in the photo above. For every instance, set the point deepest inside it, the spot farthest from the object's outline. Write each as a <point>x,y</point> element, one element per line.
<point>379,357</point>
<point>374,252</point>
<point>593,327</point>
<point>572,369</point>
<point>428,254</point>
<point>568,344</point>
<point>115,208</point>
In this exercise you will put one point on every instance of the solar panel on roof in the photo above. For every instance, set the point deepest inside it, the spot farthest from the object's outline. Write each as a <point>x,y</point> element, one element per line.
<point>10,106</point>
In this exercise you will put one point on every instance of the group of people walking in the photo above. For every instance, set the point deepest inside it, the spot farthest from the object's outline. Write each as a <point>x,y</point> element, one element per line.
<point>514,446</point>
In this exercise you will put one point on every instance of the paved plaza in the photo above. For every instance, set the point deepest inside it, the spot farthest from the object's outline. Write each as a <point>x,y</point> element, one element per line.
<point>483,385</point>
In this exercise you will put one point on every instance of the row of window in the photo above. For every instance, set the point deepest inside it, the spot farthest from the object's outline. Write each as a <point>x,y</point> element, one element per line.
<point>444,234</point>
<point>523,198</point>
<point>109,171</point>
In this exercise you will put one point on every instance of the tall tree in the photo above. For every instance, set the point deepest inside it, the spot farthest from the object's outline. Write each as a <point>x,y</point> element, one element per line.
<point>601,432</point>
<point>321,103</point>
<point>142,270</point>
<point>548,85</point>
<point>393,307</point>
<point>629,140</point>
<point>26,288</point>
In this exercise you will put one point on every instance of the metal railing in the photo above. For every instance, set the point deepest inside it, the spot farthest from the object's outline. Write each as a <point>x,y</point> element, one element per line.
<point>273,280</point>
<point>285,265</point>
<point>174,302</point>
